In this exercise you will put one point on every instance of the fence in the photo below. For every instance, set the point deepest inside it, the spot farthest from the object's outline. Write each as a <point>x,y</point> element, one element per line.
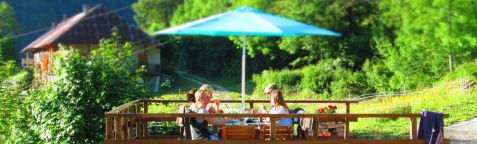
<point>128,123</point>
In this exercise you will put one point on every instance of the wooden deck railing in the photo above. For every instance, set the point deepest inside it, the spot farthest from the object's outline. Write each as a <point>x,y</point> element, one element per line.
<point>128,122</point>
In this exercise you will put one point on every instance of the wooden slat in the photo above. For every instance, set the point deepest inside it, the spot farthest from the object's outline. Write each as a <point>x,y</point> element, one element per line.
<point>316,126</point>
<point>273,130</point>
<point>124,128</point>
<point>139,130</point>
<point>234,132</point>
<point>413,129</point>
<point>109,127</point>
<point>122,107</point>
<point>117,128</point>
<point>145,123</point>
<point>346,129</point>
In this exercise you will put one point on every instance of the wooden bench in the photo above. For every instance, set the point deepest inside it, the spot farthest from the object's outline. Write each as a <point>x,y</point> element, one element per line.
<point>282,132</point>
<point>238,132</point>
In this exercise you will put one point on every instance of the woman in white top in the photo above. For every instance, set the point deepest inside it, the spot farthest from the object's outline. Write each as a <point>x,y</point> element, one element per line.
<point>280,107</point>
<point>199,125</point>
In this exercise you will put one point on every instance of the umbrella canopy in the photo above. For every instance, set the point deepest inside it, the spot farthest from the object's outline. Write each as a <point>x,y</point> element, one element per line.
<point>246,21</point>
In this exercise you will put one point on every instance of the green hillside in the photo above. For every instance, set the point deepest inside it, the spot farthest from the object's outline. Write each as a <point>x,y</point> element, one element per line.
<point>457,98</point>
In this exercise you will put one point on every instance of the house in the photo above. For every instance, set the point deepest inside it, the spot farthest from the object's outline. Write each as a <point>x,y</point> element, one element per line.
<point>83,31</point>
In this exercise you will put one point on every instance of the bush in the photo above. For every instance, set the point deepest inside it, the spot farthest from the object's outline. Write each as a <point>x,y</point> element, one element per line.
<point>346,82</point>
<point>323,80</point>
<point>71,108</point>
<point>287,79</point>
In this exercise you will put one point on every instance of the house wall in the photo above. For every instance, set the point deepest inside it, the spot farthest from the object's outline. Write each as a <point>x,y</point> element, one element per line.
<point>151,58</point>
<point>154,56</point>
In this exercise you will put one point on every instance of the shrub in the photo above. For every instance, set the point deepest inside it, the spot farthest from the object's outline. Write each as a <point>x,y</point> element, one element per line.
<point>329,77</point>
<point>346,82</point>
<point>71,108</point>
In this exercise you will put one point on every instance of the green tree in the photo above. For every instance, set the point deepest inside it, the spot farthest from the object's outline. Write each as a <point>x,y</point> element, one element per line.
<point>153,15</point>
<point>414,39</point>
<point>71,108</point>
<point>8,26</point>
<point>353,19</point>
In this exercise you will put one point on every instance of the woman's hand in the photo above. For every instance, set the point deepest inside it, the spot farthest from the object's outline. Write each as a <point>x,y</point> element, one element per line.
<point>217,102</point>
<point>212,110</point>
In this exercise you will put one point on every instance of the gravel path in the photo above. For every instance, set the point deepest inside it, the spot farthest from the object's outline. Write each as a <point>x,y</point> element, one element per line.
<point>463,132</point>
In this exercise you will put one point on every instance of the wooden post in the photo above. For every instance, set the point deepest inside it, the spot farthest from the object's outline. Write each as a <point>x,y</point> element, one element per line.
<point>273,129</point>
<point>138,130</point>
<point>146,105</point>
<point>346,128</point>
<point>316,127</point>
<point>109,128</point>
<point>347,108</point>
<point>117,128</point>
<point>124,127</point>
<point>128,123</point>
<point>251,105</point>
<point>144,129</point>
<point>413,131</point>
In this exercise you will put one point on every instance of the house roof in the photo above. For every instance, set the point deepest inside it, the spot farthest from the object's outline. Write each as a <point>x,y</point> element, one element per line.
<point>88,27</point>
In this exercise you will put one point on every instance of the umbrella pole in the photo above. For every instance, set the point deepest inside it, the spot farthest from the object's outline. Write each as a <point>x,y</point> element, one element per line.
<point>243,71</point>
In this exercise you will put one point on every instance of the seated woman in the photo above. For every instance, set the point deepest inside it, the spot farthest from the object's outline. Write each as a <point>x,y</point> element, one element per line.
<point>191,98</point>
<point>280,107</point>
<point>199,130</point>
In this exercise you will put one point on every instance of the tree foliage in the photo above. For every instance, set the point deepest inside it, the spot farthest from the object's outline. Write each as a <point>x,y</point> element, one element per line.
<point>8,26</point>
<point>418,46</point>
<point>71,108</point>
<point>153,15</point>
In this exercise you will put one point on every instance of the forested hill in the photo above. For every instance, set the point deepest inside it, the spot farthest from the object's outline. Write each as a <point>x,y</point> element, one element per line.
<point>38,14</point>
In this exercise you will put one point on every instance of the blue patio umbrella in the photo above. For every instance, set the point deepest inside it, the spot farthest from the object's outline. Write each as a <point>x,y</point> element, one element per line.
<point>245,21</point>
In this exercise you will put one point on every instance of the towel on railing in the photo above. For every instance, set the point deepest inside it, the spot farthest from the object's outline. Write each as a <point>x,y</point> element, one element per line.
<point>431,127</point>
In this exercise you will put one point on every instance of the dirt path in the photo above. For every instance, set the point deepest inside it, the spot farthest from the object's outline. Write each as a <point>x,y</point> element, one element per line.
<point>464,132</point>
<point>220,92</point>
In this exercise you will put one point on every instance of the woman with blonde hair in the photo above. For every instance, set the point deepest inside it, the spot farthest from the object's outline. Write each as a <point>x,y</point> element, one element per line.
<point>199,125</point>
<point>208,91</point>
<point>280,107</point>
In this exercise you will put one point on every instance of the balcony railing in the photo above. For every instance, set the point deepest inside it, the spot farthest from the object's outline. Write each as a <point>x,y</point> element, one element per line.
<point>128,123</point>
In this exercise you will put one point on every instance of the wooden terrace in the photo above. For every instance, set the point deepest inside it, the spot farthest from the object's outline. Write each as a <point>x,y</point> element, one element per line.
<point>128,123</point>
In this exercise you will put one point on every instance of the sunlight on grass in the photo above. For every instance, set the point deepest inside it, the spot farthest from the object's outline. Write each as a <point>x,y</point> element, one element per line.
<point>449,98</point>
